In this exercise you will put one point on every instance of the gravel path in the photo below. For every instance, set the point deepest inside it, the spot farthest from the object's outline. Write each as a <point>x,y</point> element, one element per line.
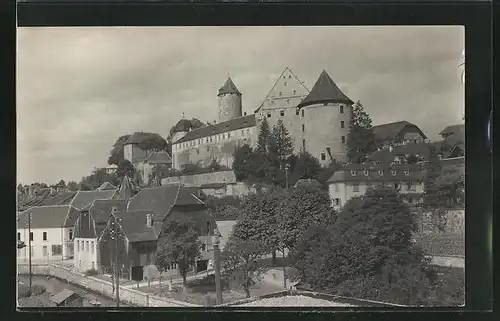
<point>294,301</point>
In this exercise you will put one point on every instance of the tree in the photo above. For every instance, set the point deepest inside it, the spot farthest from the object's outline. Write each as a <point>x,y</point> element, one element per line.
<point>178,244</point>
<point>242,256</point>
<point>96,179</point>
<point>304,166</point>
<point>327,172</point>
<point>125,167</point>
<point>360,139</point>
<point>242,164</point>
<point>214,165</point>
<point>116,153</point>
<point>72,186</point>
<point>280,145</point>
<point>263,139</point>
<point>224,208</point>
<point>367,252</point>
<point>433,196</point>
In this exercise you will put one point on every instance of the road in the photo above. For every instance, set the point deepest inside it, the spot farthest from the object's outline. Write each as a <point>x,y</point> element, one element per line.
<point>54,286</point>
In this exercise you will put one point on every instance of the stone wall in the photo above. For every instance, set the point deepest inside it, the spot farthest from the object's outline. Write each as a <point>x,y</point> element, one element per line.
<point>226,177</point>
<point>455,221</point>
<point>127,295</point>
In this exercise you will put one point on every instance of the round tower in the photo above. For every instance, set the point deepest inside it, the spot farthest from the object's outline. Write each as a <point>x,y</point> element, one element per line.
<point>229,101</point>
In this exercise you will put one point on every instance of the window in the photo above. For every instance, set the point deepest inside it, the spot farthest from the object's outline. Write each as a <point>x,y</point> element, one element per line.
<point>44,251</point>
<point>302,112</point>
<point>381,173</point>
<point>281,93</point>
<point>304,144</point>
<point>366,173</point>
<point>288,101</point>
<point>92,247</point>
<point>341,109</point>
<point>337,188</point>
<point>353,173</point>
<point>228,135</point>
<point>393,173</point>
<point>87,246</point>
<point>294,91</point>
<point>323,156</point>
<point>18,236</point>
<point>70,234</point>
<point>342,124</point>
<point>203,247</point>
<point>409,186</point>
<point>343,139</point>
<point>31,236</point>
<point>210,138</point>
<point>282,113</point>
<point>297,112</point>
<point>337,201</point>
<point>355,188</point>
<point>407,173</point>
<point>45,236</point>
<point>325,104</point>
<point>268,115</point>
<point>289,76</point>
<point>303,128</point>
<point>56,249</point>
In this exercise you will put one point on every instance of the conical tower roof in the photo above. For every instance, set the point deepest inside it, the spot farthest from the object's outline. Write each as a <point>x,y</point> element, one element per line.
<point>125,191</point>
<point>325,91</point>
<point>229,88</point>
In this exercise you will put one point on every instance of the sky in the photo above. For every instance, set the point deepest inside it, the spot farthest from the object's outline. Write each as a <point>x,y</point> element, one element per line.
<point>79,89</point>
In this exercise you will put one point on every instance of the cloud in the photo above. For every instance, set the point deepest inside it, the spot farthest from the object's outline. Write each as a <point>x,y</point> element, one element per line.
<point>79,89</point>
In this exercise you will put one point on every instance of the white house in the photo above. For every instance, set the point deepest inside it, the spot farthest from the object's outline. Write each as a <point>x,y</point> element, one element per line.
<point>51,232</point>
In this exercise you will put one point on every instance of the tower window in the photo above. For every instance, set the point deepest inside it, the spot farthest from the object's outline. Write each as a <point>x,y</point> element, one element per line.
<point>45,236</point>
<point>304,143</point>
<point>341,109</point>
<point>303,128</point>
<point>297,112</point>
<point>294,91</point>
<point>323,156</point>
<point>228,135</point>
<point>281,93</point>
<point>282,113</point>
<point>268,115</point>
<point>343,139</point>
<point>302,112</point>
<point>342,124</point>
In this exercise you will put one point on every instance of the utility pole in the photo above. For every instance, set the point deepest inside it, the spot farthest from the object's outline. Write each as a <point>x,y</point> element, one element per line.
<point>115,234</point>
<point>218,287</point>
<point>287,166</point>
<point>29,247</point>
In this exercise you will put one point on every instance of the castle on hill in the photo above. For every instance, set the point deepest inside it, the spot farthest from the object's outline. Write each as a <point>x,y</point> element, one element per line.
<point>317,120</point>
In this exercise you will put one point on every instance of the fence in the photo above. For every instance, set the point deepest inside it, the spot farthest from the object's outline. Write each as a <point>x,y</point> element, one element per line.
<point>127,295</point>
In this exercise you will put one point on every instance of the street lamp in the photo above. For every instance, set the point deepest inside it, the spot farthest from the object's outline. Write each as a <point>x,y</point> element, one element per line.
<point>22,245</point>
<point>216,243</point>
<point>115,233</point>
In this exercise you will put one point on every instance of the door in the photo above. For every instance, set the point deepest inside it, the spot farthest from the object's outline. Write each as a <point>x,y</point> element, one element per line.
<point>137,273</point>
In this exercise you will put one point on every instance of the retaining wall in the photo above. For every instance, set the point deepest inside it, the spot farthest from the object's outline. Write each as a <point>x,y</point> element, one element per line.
<point>127,295</point>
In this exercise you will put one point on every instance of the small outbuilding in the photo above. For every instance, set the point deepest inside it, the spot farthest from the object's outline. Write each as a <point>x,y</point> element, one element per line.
<point>67,298</point>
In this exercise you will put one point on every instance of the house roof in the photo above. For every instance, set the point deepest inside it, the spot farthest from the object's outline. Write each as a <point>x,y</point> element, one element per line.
<point>62,296</point>
<point>229,88</point>
<point>182,125</point>
<point>307,182</point>
<point>386,156</point>
<point>125,191</point>
<point>325,90</point>
<point>134,226</point>
<point>106,186</point>
<point>100,210</point>
<point>414,171</point>
<point>54,216</point>
<point>453,129</point>
<point>83,198</point>
<point>46,198</point>
<point>159,157</point>
<point>139,137</point>
<point>390,131</point>
<point>161,200</point>
<point>230,125</point>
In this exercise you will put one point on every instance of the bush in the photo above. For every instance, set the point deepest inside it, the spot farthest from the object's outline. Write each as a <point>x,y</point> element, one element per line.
<point>91,272</point>
<point>36,289</point>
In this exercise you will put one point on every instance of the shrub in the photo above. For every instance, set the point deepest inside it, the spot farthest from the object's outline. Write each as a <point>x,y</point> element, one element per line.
<point>91,272</point>
<point>36,289</point>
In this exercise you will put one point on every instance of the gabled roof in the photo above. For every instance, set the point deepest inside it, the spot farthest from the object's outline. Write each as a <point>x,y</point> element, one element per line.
<point>230,125</point>
<point>389,131</point>
<point>324,91</point>
<point>83,198</point>
<point>46,198</point>
<point>54,216</point>
<point>161,200</point>
<point>229,88</point>
<point>100,210</point>
<point>106,186</point>
<point>386,156</point>
<point>133,224</point>
<point>125,191</point>
<point>307,182</point>
<point>62,296</point>
<point>159,157</point>
<point>459,128</point>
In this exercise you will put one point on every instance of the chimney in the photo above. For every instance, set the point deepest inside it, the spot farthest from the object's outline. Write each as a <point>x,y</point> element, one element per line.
<point>149,220</point>
<point>245,113</point>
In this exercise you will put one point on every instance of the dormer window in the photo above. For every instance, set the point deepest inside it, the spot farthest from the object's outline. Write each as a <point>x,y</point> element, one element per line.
<point>393,173</point>
<point>282,113</point>
<point>268,115</point>
<point>353,173</point>
<point>407,173</point>
<point>381,173</point>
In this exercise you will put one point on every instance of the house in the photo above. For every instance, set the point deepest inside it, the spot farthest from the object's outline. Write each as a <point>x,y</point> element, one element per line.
<point>356,179</point>
<point>89,226</point>
<point>408,153</point>
<point>45,197</point>
<point>141,227</point>
<point>398,133</point>
<point>449,131</point>
<point>51,232</point>
<point>66,298</point>
<point>84,198</point>
<point>157,159</point>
